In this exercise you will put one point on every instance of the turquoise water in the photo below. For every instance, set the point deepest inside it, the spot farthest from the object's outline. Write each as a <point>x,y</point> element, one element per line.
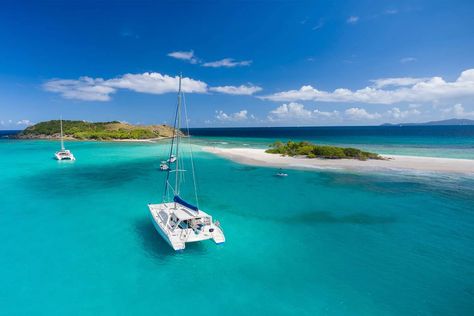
<point>430,141</point>
<point>76,239</point>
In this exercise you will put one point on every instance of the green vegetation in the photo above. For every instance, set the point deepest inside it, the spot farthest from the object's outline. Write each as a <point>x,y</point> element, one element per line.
<point>97,131</point>
<point>316,151</point>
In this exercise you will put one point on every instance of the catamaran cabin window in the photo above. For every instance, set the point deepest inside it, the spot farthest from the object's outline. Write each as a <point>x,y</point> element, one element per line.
<point>183,225</point>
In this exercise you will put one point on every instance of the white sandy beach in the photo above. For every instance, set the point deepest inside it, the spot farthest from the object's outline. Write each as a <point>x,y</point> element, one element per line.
<point>258,157</point>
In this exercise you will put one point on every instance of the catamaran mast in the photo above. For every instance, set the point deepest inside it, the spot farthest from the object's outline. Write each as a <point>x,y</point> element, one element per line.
<point>62,140</point>
<point>178,127</point>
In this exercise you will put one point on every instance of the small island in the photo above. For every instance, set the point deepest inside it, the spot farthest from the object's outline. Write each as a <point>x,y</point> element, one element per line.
<point>311,150</point>
<point>82,130</point>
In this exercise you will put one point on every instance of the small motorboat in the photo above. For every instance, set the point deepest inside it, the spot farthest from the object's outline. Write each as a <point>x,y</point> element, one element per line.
<point>164,166</point>
<point>172,159</point>
<point>280,173</point>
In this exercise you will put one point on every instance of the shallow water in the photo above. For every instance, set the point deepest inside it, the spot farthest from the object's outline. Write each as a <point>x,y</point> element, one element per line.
<point>429,141</point>
<point>76,238</point>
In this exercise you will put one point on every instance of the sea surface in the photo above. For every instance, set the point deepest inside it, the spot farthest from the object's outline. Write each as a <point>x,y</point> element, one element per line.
<point>431,141</point>
<point>76,238</point>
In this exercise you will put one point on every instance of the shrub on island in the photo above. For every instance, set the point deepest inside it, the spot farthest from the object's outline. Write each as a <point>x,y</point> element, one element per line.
<point>310,150</point>
<point>96,131</point>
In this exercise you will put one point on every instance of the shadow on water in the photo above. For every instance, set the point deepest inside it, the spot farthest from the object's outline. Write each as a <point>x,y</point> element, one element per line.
<point>153,244</point>
<point>156,247</point>
<point>245,168</point>
<point>319,217</point>
<point>86,178</point>
<point>328,218</point>
<point>441,184</point>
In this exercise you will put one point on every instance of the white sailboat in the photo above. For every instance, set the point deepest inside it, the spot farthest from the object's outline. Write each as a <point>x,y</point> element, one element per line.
<point>176,220</point>
<point>63,154</point>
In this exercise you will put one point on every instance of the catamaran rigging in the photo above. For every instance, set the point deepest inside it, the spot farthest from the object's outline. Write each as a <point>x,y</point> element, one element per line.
<point>177,220</point>
<point>63,154</point>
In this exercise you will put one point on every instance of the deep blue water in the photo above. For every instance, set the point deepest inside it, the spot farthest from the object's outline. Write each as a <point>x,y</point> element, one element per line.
<point>6,133</point>
<point>435,141</point>
<point>313,132</point>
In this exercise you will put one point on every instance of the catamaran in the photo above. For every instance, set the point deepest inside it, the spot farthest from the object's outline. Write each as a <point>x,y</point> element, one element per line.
<point>63,154</point>
<point>176,220</point>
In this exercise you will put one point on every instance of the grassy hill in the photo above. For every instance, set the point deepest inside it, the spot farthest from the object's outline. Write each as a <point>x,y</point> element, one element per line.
<point>316,151</point>
<point>96,131</point>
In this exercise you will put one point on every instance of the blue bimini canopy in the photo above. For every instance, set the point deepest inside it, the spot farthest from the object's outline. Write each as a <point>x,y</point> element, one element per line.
<point>179,200</point>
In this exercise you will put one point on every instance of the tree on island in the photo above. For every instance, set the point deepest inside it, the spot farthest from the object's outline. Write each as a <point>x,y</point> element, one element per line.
<point>311,150</point>
<point>83,130</point>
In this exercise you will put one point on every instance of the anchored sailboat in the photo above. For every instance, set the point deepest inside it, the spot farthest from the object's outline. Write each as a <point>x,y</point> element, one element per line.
<point>63,154</point>
<point>177,220</point>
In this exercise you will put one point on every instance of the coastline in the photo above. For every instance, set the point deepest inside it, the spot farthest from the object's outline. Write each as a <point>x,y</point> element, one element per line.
<point>258,157</point>
<point>125,140</point>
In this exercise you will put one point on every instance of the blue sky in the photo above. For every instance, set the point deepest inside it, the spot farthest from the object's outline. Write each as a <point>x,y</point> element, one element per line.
<point>261,63</point>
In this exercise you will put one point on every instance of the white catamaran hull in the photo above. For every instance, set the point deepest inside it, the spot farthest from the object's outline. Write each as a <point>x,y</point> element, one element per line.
<point>178,237</point>
<point>176,220</point>
<point>64,156</point>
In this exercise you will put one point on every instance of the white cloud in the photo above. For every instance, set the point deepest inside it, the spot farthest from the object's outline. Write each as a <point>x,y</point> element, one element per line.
<point>290,112</point>
<point>24,122</point>
<point>319,113</point>
<point>156,83</point>
<point>227,62</point>
<point>407,60</point>
<point>237,116</point>
<point>297,113</point>
<point>85,88</point>
<point>418,90</point>
<point>185,55</point>
<point>353,19</point>
<point>240,90</point>
<point>458,111</point>
<point>396,113</point>
<point>98,89</point>
<point>361,114</point>
<point>397,82</point>
<point>190,57</point>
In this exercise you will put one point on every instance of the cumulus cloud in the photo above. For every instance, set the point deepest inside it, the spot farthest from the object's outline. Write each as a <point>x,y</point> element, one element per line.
<point>327,114</point>
<point>185,55</point>
<point>227,62</point>
<point>290,111</point>
<point>24,122</point>
<point>361,114</point>
<point>415,90</point>
<point>156,83</point>
<point>84,88</point>
<point>396,113</point>
<point>397,82</point>
<point>237,116</point>
<point>297,113</point>
<point>353,19</point>
<point>458,111</point>
<point>240,90</point>
<point>98,89</point>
